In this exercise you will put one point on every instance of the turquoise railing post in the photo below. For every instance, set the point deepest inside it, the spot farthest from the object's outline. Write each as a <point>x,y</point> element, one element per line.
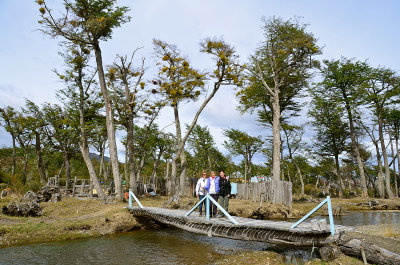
<point>331,224</point>
<point>194,207</point>
<point>131,194</point>
<point>130,199</point>
<point>223,211</point>
<point>208,207</point>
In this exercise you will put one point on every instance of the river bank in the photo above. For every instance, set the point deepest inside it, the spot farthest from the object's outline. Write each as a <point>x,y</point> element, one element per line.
<point>74,218</point>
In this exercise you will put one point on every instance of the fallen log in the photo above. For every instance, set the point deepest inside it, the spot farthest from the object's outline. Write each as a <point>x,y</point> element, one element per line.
<point>377,250</point>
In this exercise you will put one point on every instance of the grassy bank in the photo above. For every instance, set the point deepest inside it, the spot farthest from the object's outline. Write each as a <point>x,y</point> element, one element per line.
<point>69,219</point>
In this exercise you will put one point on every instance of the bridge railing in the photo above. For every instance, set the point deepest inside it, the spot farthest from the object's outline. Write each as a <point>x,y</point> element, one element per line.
<point>331,224</point>
<point>132,195</point>
<point>208,198</point>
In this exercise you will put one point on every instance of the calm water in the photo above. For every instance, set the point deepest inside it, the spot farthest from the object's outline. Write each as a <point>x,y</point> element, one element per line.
<point>367,218</point>
<point>164,246</point>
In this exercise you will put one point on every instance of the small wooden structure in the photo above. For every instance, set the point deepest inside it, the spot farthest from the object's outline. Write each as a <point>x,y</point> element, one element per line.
<point>77,187</point>
<point>277,192</point>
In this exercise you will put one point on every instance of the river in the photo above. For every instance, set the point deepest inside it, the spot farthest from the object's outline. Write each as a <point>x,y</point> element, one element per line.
<point>164,246</point>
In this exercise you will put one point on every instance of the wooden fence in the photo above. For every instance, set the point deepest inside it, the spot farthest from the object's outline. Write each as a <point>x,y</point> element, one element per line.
<point>277,192</point>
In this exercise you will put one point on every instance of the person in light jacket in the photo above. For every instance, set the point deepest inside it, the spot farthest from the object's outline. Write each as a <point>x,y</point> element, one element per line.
<point>212,187</point>
<point>201,192</point>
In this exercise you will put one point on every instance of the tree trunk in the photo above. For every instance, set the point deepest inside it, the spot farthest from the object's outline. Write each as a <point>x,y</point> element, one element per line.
<point>337,169</point>
<point>14,164</point>
<point>381,190</point>
<point>26,156</point>
<point>356,150</point>
<point>67,162</point>
<point>394,164</point>
<point>101,160</point>
<point>167,178</point>
<point>182,177</point>
<point>276,149</point>
<point>110,124</point>
<point>84,145</point>
<point>389,191</point>
<point>301,179</point>
<point>39,159</point>
<point>398,166</point>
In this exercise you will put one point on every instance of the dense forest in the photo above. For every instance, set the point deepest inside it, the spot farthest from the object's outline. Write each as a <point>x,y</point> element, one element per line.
<point>352,113</point>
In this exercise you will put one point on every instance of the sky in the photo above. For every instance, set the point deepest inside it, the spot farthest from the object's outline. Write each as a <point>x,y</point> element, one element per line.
<point>361,29</point>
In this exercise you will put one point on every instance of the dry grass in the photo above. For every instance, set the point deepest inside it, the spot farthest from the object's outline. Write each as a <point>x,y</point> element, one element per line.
<point>385,230</point>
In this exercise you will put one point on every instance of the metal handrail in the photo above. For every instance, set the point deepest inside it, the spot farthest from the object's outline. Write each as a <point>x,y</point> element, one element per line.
<point>331,224</point>
<point>131,194</point>
<point>208,198</point>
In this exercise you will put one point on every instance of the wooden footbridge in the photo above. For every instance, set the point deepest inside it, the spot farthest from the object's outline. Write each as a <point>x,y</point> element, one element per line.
<point>274,232</point>
<point>285,234</point>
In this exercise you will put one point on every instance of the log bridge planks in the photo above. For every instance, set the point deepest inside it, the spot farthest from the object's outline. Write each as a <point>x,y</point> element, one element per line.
<point>274,232</point>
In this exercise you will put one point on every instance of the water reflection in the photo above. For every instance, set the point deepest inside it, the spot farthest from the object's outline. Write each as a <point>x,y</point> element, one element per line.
<point>165,246</point>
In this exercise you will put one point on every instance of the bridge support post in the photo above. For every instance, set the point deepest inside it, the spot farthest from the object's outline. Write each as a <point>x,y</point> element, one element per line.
<point>331,224</point>
<point>208,198</point>
<point>131,194</point>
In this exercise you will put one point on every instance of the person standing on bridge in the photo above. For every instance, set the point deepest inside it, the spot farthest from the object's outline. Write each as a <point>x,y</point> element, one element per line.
<point>212,187</point>
<point>224,191</point>
<point>201,192</point>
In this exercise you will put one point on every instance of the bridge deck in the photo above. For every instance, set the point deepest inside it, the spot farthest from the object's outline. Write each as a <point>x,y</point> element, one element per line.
<point>276,232</point>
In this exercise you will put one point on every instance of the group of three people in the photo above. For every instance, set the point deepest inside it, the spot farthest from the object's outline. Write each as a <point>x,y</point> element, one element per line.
<point>219,189</point>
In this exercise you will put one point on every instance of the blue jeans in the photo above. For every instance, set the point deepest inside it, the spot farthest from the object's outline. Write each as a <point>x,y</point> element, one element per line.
<point>202,203</point>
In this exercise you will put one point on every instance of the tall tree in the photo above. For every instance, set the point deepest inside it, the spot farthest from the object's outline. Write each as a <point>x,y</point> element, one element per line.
<point>8,115</point>
<point>125,74</point>
<point>240,143</point>
<point>79,101</point>
<point>293,139</point>
<point>87,22</point>
<point>202,143</point>
<point>393,122</point>
<point>383,86</point>
<point>343,81</point>
<point>278,71</point>
<point>332,131</point>
<point>178,83</point>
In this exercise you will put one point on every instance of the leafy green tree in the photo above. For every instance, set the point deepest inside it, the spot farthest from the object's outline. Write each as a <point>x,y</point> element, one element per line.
<point>178,83</point>
<point>86,23</point>
<point>332,132</point>
<point>80,103</point>
<point>63,135</point>
<point>293,139</point>
<point>202,143</point>
<point>278,71</point>
<point>342,82</point>
<point>8,119</point>
<point>240,143</point>
<point>382,89</point>
<point>392,118</point>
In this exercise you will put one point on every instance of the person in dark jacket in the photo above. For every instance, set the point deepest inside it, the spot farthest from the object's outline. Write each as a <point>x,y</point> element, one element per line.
<point>224,191</point>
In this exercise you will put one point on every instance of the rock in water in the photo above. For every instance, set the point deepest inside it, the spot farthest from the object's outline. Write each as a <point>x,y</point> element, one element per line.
<point>22,209</point>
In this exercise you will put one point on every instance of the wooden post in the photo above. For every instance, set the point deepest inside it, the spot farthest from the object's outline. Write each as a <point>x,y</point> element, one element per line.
<point>91,190</point>
<point>57,181</point>
<point>73,187</point>
<point>83,186</point>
